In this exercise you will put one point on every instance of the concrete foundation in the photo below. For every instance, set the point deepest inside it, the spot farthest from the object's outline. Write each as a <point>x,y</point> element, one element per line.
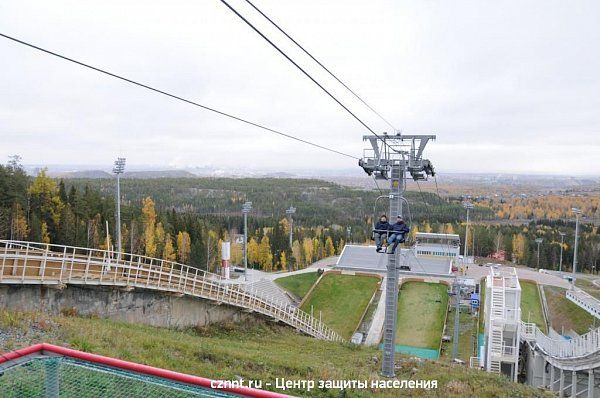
<point>135,306</point>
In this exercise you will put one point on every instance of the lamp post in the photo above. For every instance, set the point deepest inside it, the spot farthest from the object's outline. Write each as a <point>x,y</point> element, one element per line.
<point>577,213</point>
<point>246,207</point>
<point>562,240</point>
<point>539,242</point>
<point>290,212</point>
<point>468,206</point>
<point>118,170</point>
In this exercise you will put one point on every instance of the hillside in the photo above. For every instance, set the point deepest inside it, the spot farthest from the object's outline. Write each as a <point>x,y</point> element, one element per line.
<point>318,202</point>
<point>259,351</point>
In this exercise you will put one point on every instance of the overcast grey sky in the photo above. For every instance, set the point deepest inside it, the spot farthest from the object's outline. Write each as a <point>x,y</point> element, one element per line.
<point>507,86</point>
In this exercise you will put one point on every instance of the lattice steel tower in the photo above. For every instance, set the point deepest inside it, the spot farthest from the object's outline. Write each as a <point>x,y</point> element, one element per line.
<point>393,157</point>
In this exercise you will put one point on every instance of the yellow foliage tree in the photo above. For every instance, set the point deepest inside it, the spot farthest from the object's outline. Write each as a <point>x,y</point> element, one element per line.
<point>518,246</point>
<point>329,249</point>
<point>160,235</point>
<point>297,254</point>
<point>340,247</point>
<point>265,257</point>
<point>169,250</point>
<point>307,246</point>
<point>45,234</point>
<point>285,225</point>
<point>149,216</point>
<point>283,261</point>
<point>45,190</point>
<point>184,246</point>
<point>20,228</point>
<point>237,253</point>
<point>427,228</point>
<point>253,252</point>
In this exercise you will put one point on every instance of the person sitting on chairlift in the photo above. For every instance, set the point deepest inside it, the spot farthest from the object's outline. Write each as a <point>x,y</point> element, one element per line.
<point>398,233</point>
<point>380,233</point>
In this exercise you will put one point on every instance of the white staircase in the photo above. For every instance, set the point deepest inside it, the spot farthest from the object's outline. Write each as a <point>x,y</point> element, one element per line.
<point>496,341</point>
<point>498,304</point>
<point>502,321</point>
<point>495,366</point>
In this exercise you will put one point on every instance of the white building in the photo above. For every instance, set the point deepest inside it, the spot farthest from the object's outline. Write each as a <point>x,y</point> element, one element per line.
<point>437,245</point>
<point>503,322</point>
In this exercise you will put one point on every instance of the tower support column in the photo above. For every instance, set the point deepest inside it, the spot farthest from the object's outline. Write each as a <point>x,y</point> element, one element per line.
<point>391,293</point>
<point>590,392</point>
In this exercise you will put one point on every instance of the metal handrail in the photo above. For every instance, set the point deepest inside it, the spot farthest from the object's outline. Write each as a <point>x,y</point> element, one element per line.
<point>31,262</point>
<point>580,346</point>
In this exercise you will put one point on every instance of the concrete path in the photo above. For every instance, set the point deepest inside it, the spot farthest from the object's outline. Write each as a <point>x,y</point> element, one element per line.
<point>476,272</point>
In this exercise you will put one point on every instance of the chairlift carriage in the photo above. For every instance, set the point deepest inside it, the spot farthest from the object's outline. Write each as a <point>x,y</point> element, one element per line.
<point>403,152</point>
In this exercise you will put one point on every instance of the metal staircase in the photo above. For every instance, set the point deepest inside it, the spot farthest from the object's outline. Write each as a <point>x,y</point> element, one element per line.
<point>496,334</point>
<point>40,263</point>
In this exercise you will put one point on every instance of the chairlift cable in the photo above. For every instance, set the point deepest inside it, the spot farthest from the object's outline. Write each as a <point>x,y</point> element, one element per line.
<point>262,35</point>
<point>321,65</point>
<point>156,90</point>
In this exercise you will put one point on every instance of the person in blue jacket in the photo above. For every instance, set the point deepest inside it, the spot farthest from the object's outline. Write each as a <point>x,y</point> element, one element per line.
<point>382,228</point>
<point>398,233</point>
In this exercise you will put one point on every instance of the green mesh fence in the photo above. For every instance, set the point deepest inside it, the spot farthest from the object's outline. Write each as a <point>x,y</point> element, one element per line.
<point>55,377</point>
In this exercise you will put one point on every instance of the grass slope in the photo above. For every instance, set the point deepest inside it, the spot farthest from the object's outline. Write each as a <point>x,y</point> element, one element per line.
<point>566,314</point>
<point>531,305</point>
<point>298,284</point>
<point>421,314</point>
<point>252,351</point>
<point>587,286</point>
<point>342,299</point>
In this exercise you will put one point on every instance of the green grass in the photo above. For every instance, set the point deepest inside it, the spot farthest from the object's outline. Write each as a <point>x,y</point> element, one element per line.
<point>298,284</point>
<point>531,305</point>
<point>587,286</point>
<point>422,310</point>
<point>261,351</point>
<point>342,299</point>
<point>564,314</point>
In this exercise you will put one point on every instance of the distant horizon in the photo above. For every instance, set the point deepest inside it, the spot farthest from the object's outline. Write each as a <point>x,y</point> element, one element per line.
<point>342,172</point>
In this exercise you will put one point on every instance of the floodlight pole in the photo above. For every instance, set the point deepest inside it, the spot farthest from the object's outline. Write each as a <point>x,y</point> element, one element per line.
<point>539,242</point>
<point>468,206</point>
<point>562,239</point>
<point>246,207</point>
<point>290,212</point>
<point>577,214</point>
<point>392,157</point>
<point>118,170</point>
